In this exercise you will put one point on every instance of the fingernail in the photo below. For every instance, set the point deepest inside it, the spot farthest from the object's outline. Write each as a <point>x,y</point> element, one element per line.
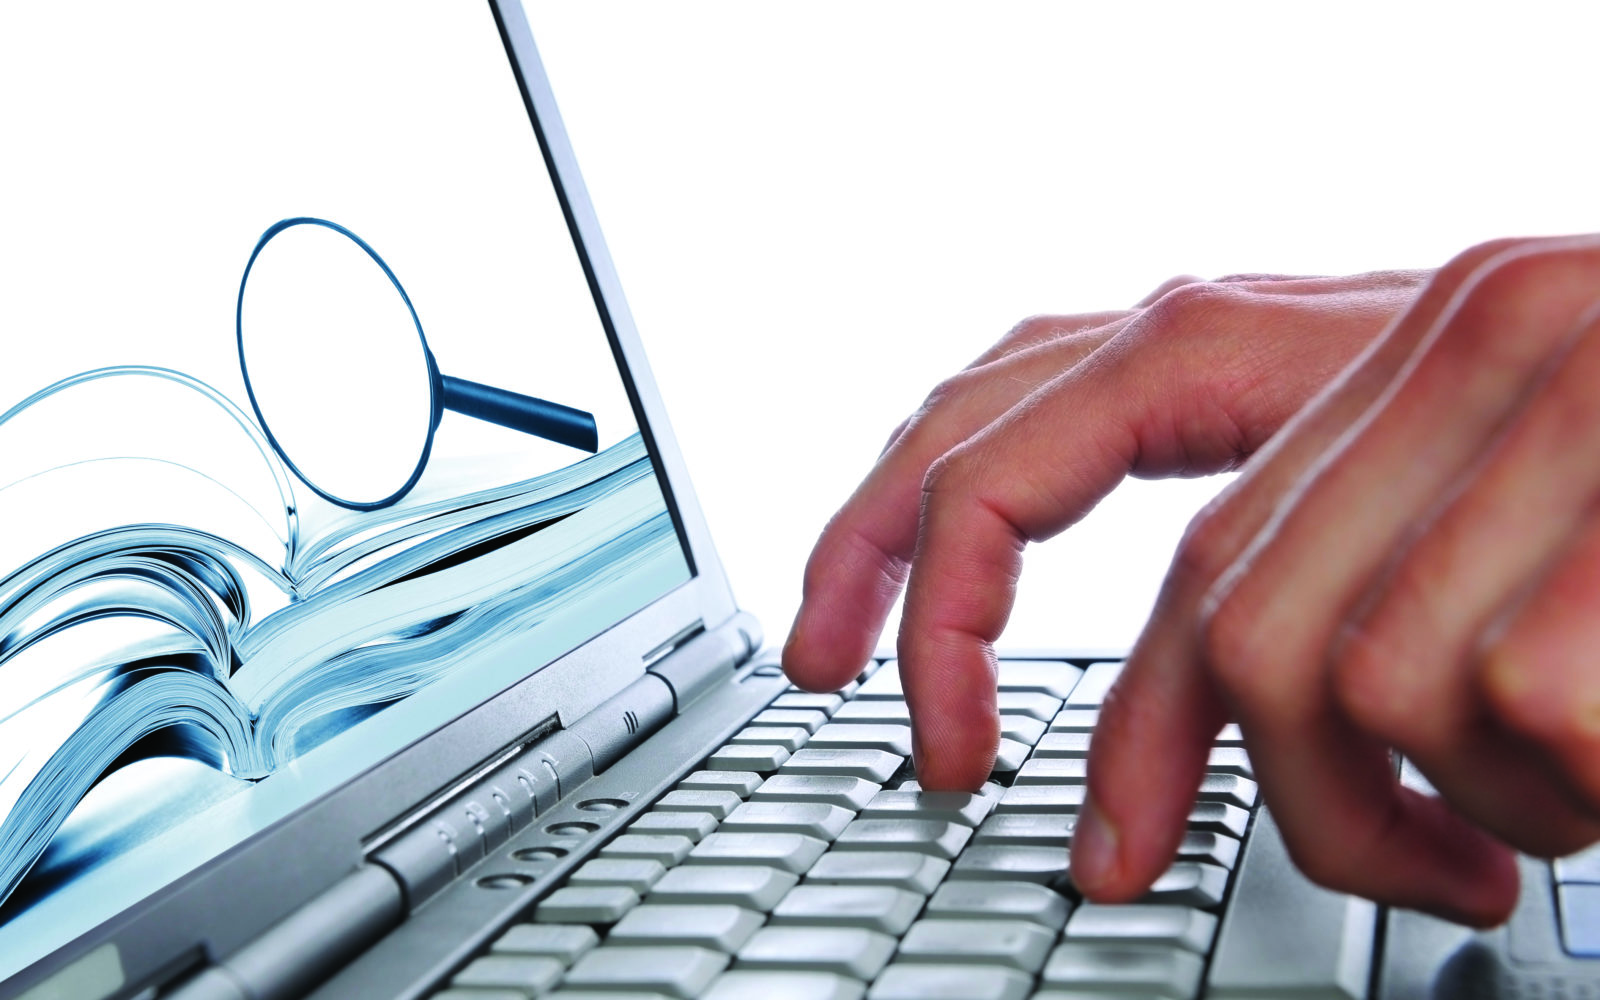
<point>1094,849</point>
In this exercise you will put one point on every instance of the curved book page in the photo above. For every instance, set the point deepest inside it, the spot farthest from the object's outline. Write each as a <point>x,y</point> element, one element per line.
<point>146,636</point>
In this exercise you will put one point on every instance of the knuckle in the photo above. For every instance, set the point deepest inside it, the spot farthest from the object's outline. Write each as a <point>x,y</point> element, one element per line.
<point>1234,647</point>
<point>1191,307</point>
<point>953,389</point>
<point>1515,276</point>
<point>946,477</point>
<point>1207,548</point>
<point>1360,677</point>
<point>1466,263</point>
<point>1322,863</point>
<point>1513,689</point>
<point>1041,326</point>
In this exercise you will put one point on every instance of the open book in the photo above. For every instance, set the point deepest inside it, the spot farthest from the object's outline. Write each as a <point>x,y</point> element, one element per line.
<point>171,598</point>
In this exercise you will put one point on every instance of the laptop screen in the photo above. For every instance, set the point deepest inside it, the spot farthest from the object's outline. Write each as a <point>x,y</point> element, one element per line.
<point>311,408</point>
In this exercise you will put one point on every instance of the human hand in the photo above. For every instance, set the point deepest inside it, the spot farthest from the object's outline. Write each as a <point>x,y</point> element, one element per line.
<point>1413,564</point>
<point>1024,442</point>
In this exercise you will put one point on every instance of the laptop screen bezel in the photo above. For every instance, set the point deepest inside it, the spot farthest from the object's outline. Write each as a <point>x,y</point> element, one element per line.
<point>198,918</point>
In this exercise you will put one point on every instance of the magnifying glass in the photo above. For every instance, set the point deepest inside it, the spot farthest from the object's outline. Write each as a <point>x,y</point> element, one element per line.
<point>340,376</point>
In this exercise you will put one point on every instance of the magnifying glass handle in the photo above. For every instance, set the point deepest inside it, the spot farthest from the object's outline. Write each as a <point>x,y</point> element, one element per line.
<point>540,417</point>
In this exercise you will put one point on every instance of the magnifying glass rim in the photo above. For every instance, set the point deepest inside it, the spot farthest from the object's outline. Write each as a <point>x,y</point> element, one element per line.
<point>244,368</point>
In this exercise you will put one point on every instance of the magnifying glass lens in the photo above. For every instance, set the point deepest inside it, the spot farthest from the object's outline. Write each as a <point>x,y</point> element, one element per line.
<point>335,365</point>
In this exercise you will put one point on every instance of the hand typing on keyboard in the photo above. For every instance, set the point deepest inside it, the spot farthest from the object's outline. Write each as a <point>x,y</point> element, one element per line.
<point>1412,564</point>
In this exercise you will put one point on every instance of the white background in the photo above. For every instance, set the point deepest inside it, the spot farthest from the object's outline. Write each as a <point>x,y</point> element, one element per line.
<point>146,147</point>
<point>819,210</point>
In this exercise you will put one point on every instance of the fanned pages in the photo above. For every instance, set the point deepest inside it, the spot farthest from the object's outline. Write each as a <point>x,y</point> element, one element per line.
<point>167,604</point>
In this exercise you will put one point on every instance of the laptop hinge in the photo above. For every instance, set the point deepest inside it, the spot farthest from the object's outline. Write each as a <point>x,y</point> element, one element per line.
<point>308,945</point>
<point>693,666</point>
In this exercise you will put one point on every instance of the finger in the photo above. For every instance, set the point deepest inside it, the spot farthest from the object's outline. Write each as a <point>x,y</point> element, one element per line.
<point>1272,623</point>
<point>1193,385</point>
<point>1158,720</point>
<point>1411,646</point>
<point>859,563</point>
<point>1537,667</point>
<point>1037,330</point>
<point>1165,287</point>
<point>1086,332</point>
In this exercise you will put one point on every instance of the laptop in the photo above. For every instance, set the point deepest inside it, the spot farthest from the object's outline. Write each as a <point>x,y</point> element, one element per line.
<point>566,764</point>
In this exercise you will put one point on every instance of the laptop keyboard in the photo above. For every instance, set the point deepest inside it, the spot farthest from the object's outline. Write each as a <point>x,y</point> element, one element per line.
<point>803,861</point>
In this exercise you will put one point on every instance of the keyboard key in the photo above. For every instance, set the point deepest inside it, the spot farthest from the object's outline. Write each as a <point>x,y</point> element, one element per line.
<point>1230,789</point>
<point>848,735</point>
<point>1017,944</point>
<point>791,852</point>
<point>883,685</point>
<point>1030,703</point>
<point>754,887</point>
<point>808,719</point>
<point>1059,745</point>
<point>901,869</point>
<point>1230,760</point>
<point>1148,970</point>
<point>528,974</point>
<point>721,927</point>
<point>966,808</point>
<point>1075,720</point>
<point>690,824</point>
<point>740,783</point>
<point>762,758</point>
<point>598,904</point>
<point>1042,798</point>
<point>935,837</point>
<point>827,704</point>
<point>668,850</point>
<point>1139,923</point>
<point>1091,690</point>
<point>1211,848</point>
<point>1009,757</point>
<point>1053,770</point>
<point>885,712</point>
<point>1000,901</point>
<point>674,970</point>
<point>791,738</point>
<point>475,993</point>
<point>1580,918</point>
<point>880,908</point>
<point>873,765</point>
<point>910,981</point>
<point>633,873</point>
<point>990,789</point>
<point>814,819</point>
<point>1218,817</point>
<point>1027,829</point>
<point>840,790</point>
<point>845,951</point>
<point>1190,884</point>
<point>1044,865</point>
<point>1229,736</point>
<point>717,803</point>
<point>1022,728</point>
<point>1581,867</point>
<point>1055,678</point>
<point>563,942</point>
<point>742,984</point>
<point>1284,936</point>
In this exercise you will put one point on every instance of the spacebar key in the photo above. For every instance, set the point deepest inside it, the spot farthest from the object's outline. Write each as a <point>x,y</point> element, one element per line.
<point>1285,937</point>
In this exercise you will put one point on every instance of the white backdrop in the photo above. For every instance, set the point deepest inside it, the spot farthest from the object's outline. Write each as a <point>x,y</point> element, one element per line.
<point>819,210</point>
